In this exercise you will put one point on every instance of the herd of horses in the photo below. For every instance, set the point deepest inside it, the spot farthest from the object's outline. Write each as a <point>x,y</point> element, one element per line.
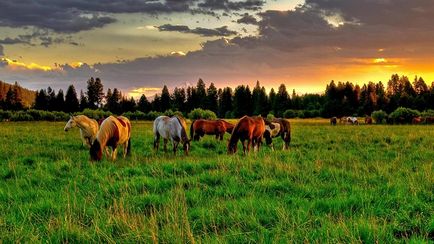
<point>106,135</point>
<point>369,120</point>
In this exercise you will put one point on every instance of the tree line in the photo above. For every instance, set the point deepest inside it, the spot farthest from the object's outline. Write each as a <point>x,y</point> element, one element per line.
<point>339,99</point>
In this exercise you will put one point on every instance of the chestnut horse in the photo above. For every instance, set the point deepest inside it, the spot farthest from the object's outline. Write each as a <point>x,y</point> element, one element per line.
<point>113,131</point>
<point>202,127</point>
<point>368,120</point>
<point>250,129</point>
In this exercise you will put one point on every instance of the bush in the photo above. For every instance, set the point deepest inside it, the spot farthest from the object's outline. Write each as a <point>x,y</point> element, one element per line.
<point>21,116</point>
<point>5,115</point>
<point>152,115</point>
<point>289,114</point>
<point>379,116</point>
<point>137,115</point>
<point>199,113</point>
<point>427,113</point>
<point>404,115</point>
<point>95,114</point>
<point>270,116</point>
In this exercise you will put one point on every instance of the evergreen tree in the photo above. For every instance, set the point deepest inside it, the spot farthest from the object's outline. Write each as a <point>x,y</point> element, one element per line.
<point>71,100</point>
<point>259,100</point>
<point>179,99</point>
<point>211,98</point>
<point>83,101</point>
<point>200,93</point>
<point>41,100</point>
<point>156,103</point>
<point>143,104</point>
<point>242,101</point>
<point>59,101</point>
<point>95,92</point>
<point>165,101</point>
<point>51,99</point>
<point>225,103</point>
<point>272,99</point>
<point>282,101</point>
<point>113,102</point>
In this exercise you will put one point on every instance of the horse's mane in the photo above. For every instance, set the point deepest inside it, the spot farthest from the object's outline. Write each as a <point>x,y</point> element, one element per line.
<point>183,126</point>
<point>234,136</point>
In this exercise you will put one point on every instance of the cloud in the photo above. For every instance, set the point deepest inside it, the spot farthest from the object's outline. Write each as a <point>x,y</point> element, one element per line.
<point>1,51</point>
<point>221,31</point>
<point>71,16</point>
<point>247,19</point>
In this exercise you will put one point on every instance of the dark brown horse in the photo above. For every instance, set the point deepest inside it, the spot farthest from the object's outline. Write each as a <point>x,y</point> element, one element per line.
<point>247,128</point>
<point>202,127</point>
<point>333,120</point>
<point>285,131</point>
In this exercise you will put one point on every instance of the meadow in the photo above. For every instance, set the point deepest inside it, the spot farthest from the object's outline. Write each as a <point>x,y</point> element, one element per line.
<point>342,183</point>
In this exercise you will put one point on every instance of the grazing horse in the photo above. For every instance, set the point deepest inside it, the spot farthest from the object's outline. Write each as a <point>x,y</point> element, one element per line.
<point>343,120</point>
<point>250,129</point>
<point>285,131</point>
<point>416,120</point>
<point>113,131</point>
<point>173,129</point>
<point>229,126</point>
<point>88,128</point>
<point>333,120</point>
<point>352,120</point>
<point>272,130</point>
<point>368,120</point>
<point>202,127</point>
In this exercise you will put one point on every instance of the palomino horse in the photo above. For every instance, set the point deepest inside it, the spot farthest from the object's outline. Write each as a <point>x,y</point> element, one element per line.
<point>88,128</point>
<point>202,127</point>
<point>114,131</point>
<point>272,130</point>
<point>173,129</point>
<point>250,129</point>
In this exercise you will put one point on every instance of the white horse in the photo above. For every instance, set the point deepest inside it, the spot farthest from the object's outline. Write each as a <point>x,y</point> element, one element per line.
<point>352,120</point>
<point>88,128</point>
<point>173,129</point>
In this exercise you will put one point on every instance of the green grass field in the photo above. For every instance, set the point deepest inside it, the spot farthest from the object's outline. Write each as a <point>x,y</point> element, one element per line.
<point>336,184</point>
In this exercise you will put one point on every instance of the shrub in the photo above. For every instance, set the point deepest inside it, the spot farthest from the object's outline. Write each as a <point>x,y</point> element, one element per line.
<point>270,116</point>
<point>229,115</point>
<point>5,115</point>
<point>379,116</point>
<point>60,116</point>
<point>21,116</point>
<point>152,115</point>
<point>96,114</point>
<point>289,114</point>
<point>199,113</point>
<point>427,113</point>
<point>404,115</point>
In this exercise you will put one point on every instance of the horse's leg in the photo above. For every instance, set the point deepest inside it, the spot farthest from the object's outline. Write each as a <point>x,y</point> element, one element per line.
<point>157,141</point>
<point>175,146</point>
<point>249,143</point>
<point>244,146</point>
<point>165,144</point>
<point>114,153</point>
<point>125,146</point>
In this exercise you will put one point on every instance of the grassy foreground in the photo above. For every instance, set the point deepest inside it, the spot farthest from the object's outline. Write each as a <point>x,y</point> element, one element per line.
<point>335,184</point>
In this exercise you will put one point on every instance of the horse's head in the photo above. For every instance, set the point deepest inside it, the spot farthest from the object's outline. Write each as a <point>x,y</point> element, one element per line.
<point>232,147</point>
<point>70,124</point>
<point>95,151</point>
<point>186,146</point>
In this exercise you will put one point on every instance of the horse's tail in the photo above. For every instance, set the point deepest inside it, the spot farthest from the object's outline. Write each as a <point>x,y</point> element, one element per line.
<point>192,129</point>
<point>129,146</point>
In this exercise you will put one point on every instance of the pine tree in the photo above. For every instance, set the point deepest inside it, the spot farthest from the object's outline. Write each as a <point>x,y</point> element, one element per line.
<point>83,101</point>
<point>41,100</point>
<point>143,104</point>
<point>59,101</point>
<point>225,103</point>
<point>51,99</point>
<point>165,101</point>
<point>179,99</point>
<point>211,98</point>
<point>95,92</point>
<point>71,101</point>
<point>113,102</point>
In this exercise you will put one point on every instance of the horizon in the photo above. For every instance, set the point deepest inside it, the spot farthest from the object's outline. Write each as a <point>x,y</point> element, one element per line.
<point>143,46</point>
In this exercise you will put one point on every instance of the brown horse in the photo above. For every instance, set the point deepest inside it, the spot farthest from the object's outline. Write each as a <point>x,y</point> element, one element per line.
<point>333,120</point>
<point>368,120</point>
<point>247,128</point>
<point>202,127</point>
<point>229,126</point>
<point>113,131</point>
<point>416,120</point>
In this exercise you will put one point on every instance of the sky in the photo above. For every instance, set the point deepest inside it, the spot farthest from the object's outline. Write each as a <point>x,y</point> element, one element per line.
<point>140,45</point>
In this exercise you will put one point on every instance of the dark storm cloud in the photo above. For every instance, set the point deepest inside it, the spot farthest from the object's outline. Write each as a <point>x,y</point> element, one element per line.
<point>221,31</point>
<point>247,19</point>
<point>38,37</point>
<point>70,16</point>
<point>227,5</point>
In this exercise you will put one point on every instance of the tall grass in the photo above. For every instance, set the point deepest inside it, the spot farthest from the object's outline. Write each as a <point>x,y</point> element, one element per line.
<point>335,184</point>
